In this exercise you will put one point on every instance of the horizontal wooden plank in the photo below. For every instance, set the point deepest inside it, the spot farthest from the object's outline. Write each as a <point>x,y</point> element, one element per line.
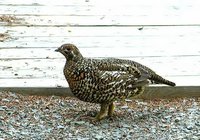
<point>163,65</point>
<point>44,2</point>
<point>167,42</point>
<point>107,31</point>
<point>170,92</point>
<point>32,69</point>
<point>169,38</point>
<point>110,8</point>
<point>174,3</point>
<point>86,10</point>
<point>119,52</point>
<point>149,93</point>
<point>93,2</point>
<point>134,46</point>
<point>183,70</point>
<point>97,13</point>
<point>61,82</point>
<point>100,20</point>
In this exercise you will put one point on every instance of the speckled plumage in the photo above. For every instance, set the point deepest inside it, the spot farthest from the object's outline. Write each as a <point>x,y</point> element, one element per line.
<point>105,80</point>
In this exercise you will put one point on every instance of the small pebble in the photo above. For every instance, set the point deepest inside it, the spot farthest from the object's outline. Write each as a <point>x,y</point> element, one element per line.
<point>79,122</point>
<point>2,108</point>
<point>5,100</point>
<point>124,107</point>
<point>99,137</point>
<point>189,127</point>
<point>60,127</point>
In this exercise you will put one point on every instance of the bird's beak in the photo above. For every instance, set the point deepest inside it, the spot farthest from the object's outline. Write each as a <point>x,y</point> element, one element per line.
<point>57,50</point>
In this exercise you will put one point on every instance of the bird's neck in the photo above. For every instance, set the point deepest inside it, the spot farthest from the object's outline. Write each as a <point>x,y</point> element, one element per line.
<point>74,61</point>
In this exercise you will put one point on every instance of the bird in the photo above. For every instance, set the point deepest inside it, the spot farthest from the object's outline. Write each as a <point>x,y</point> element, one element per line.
<point>104,81</point>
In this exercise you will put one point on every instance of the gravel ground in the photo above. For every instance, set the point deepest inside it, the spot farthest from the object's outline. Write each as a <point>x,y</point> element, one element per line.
<point>37,117</point>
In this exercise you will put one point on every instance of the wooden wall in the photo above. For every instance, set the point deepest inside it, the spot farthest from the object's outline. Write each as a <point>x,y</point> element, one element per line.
<point>162,34</point>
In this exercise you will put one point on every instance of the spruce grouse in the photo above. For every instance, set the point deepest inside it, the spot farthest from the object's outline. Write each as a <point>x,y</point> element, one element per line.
<point>104,81</point>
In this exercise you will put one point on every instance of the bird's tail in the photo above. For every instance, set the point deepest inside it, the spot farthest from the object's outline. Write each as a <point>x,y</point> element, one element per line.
<point>160,80</point>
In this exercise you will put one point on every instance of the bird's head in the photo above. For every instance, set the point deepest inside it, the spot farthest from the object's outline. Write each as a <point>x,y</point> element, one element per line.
<point>70,52</point>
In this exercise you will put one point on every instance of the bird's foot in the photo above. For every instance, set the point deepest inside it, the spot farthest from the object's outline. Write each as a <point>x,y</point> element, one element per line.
<point>103,112</point>
<point>100,116</point>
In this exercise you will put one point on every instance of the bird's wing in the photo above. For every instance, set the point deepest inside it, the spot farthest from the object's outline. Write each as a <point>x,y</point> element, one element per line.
<point>115,66</point>
<point>113,74</point>
<point>152,76</point>
<point>115,79</point>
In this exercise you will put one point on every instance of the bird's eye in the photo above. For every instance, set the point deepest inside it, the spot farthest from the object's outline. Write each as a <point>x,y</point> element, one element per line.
<point>68,49</point>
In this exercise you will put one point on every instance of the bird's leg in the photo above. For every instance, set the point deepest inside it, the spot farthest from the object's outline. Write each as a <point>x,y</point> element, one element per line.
<point>103,111</point>
<point>111,108</point>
